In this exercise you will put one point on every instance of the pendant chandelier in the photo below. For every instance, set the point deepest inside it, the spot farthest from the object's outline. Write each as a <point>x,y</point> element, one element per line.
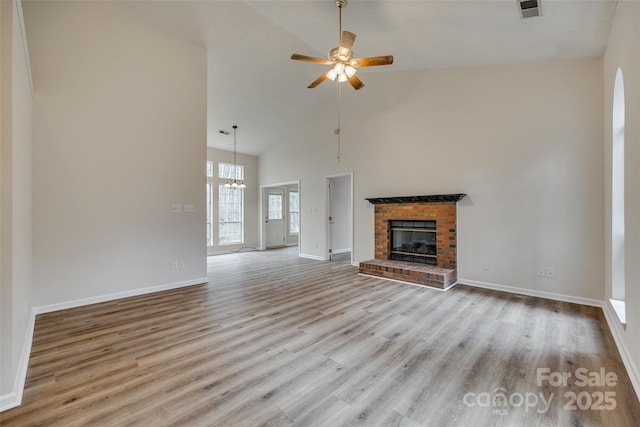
<point>234,183</point>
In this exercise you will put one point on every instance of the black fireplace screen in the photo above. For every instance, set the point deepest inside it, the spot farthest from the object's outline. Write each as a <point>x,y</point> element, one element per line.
<point>414,241</point>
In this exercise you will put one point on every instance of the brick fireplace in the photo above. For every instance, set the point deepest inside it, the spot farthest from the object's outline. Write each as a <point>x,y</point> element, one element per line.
<point>425,250</point>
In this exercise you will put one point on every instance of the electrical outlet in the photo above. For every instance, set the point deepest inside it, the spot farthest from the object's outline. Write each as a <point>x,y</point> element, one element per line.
<point>485,265</point>
<point>174,265</point>
<point>541,272</point>
<point>551,273</point>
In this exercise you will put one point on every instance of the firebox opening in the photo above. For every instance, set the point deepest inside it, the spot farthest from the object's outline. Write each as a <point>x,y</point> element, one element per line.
<point>413,241</point>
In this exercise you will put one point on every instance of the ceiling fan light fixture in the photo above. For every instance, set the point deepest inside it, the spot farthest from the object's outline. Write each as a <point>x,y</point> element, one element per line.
<point>349,71</point>
<point>343,65</point>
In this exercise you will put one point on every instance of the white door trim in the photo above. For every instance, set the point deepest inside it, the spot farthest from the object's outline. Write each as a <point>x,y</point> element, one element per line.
<point>261,203</point>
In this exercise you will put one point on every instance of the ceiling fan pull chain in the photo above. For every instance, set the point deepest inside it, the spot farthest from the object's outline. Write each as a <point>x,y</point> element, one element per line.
<point>338,129</point>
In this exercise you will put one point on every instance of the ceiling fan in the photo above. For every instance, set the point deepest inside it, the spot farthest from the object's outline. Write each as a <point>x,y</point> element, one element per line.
<point>344,66</point>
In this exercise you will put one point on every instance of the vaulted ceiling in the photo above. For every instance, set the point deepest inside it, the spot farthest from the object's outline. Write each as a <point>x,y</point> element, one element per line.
<point>254,84</point>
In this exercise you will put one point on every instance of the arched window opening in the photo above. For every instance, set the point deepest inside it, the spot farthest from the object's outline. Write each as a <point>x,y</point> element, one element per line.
<point>617,199</point>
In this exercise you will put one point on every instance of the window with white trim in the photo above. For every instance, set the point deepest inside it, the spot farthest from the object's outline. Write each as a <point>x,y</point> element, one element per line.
<point>209,169</point>
<point>230,206</point>
<point>618,279</point>
<point>275,206</point>
<point>294,212</point>
<point>209,218</point>
<point>224,205</point>
<point>209,197</point>
<point>230,171</point>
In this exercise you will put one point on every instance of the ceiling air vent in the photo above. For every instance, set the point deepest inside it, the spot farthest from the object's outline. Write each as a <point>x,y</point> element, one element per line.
<point>529,8</point>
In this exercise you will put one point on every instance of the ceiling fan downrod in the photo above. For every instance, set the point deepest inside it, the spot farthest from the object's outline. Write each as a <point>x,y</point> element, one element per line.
<point>341,4</point>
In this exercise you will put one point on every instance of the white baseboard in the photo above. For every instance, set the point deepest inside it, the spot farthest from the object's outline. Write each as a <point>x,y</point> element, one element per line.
<point>234,251</point>
<point>532,293</point>
<point>8,401</point>
<point>118,295</point>
<point>341,251</point>
<point>315,257</point>
<point>321,258</point>
<point>618,333</point>
<point>13,399</point>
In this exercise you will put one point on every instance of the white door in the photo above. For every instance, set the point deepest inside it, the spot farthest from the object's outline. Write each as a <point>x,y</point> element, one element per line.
<point>274,219</point>
<point>339,213</point>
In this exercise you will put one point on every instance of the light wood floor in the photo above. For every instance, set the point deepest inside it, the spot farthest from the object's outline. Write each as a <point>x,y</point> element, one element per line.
<point>278,340</point>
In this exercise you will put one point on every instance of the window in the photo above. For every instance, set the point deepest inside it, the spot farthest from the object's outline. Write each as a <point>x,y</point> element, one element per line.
<point>617,200</point>
<point>275,206</point>
<point>209,213</point>
<point>294,212</point>
<point>230,215</point>
<point>229,171</point>
<point>225,206</point>
<point>209,197</point>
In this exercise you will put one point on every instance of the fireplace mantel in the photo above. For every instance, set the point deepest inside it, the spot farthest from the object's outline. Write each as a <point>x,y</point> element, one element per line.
<point>435,198</point>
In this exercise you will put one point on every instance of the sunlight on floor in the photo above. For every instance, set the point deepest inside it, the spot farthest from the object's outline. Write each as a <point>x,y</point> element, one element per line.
<point>619,308</point>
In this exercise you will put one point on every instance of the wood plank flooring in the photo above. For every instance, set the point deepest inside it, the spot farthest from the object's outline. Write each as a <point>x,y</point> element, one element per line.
<point>278,340</point>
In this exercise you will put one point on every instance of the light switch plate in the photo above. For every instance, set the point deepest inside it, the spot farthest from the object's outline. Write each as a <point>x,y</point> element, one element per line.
<point>189,208</point>
<point>176,208</point>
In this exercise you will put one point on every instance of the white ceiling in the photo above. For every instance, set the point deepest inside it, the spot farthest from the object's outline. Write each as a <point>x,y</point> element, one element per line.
<point>254,84</point>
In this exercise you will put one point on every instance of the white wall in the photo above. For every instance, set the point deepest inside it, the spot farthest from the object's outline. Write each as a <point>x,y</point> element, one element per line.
<point>251,198</point>
<point>622,52</point>
<point>524,141</point>
<point>16,210</point>
<point>119,136</point>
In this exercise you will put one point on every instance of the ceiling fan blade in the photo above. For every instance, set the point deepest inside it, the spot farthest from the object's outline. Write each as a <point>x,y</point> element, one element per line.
<point>355,82</point>
<point>319,80</point>
<point>372,61</point>
<point>299,57</point>
<point>346,40</point>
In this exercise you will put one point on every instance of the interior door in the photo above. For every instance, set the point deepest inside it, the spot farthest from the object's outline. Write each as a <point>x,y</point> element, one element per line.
<point>274,220</point>
<point>339,214</point>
